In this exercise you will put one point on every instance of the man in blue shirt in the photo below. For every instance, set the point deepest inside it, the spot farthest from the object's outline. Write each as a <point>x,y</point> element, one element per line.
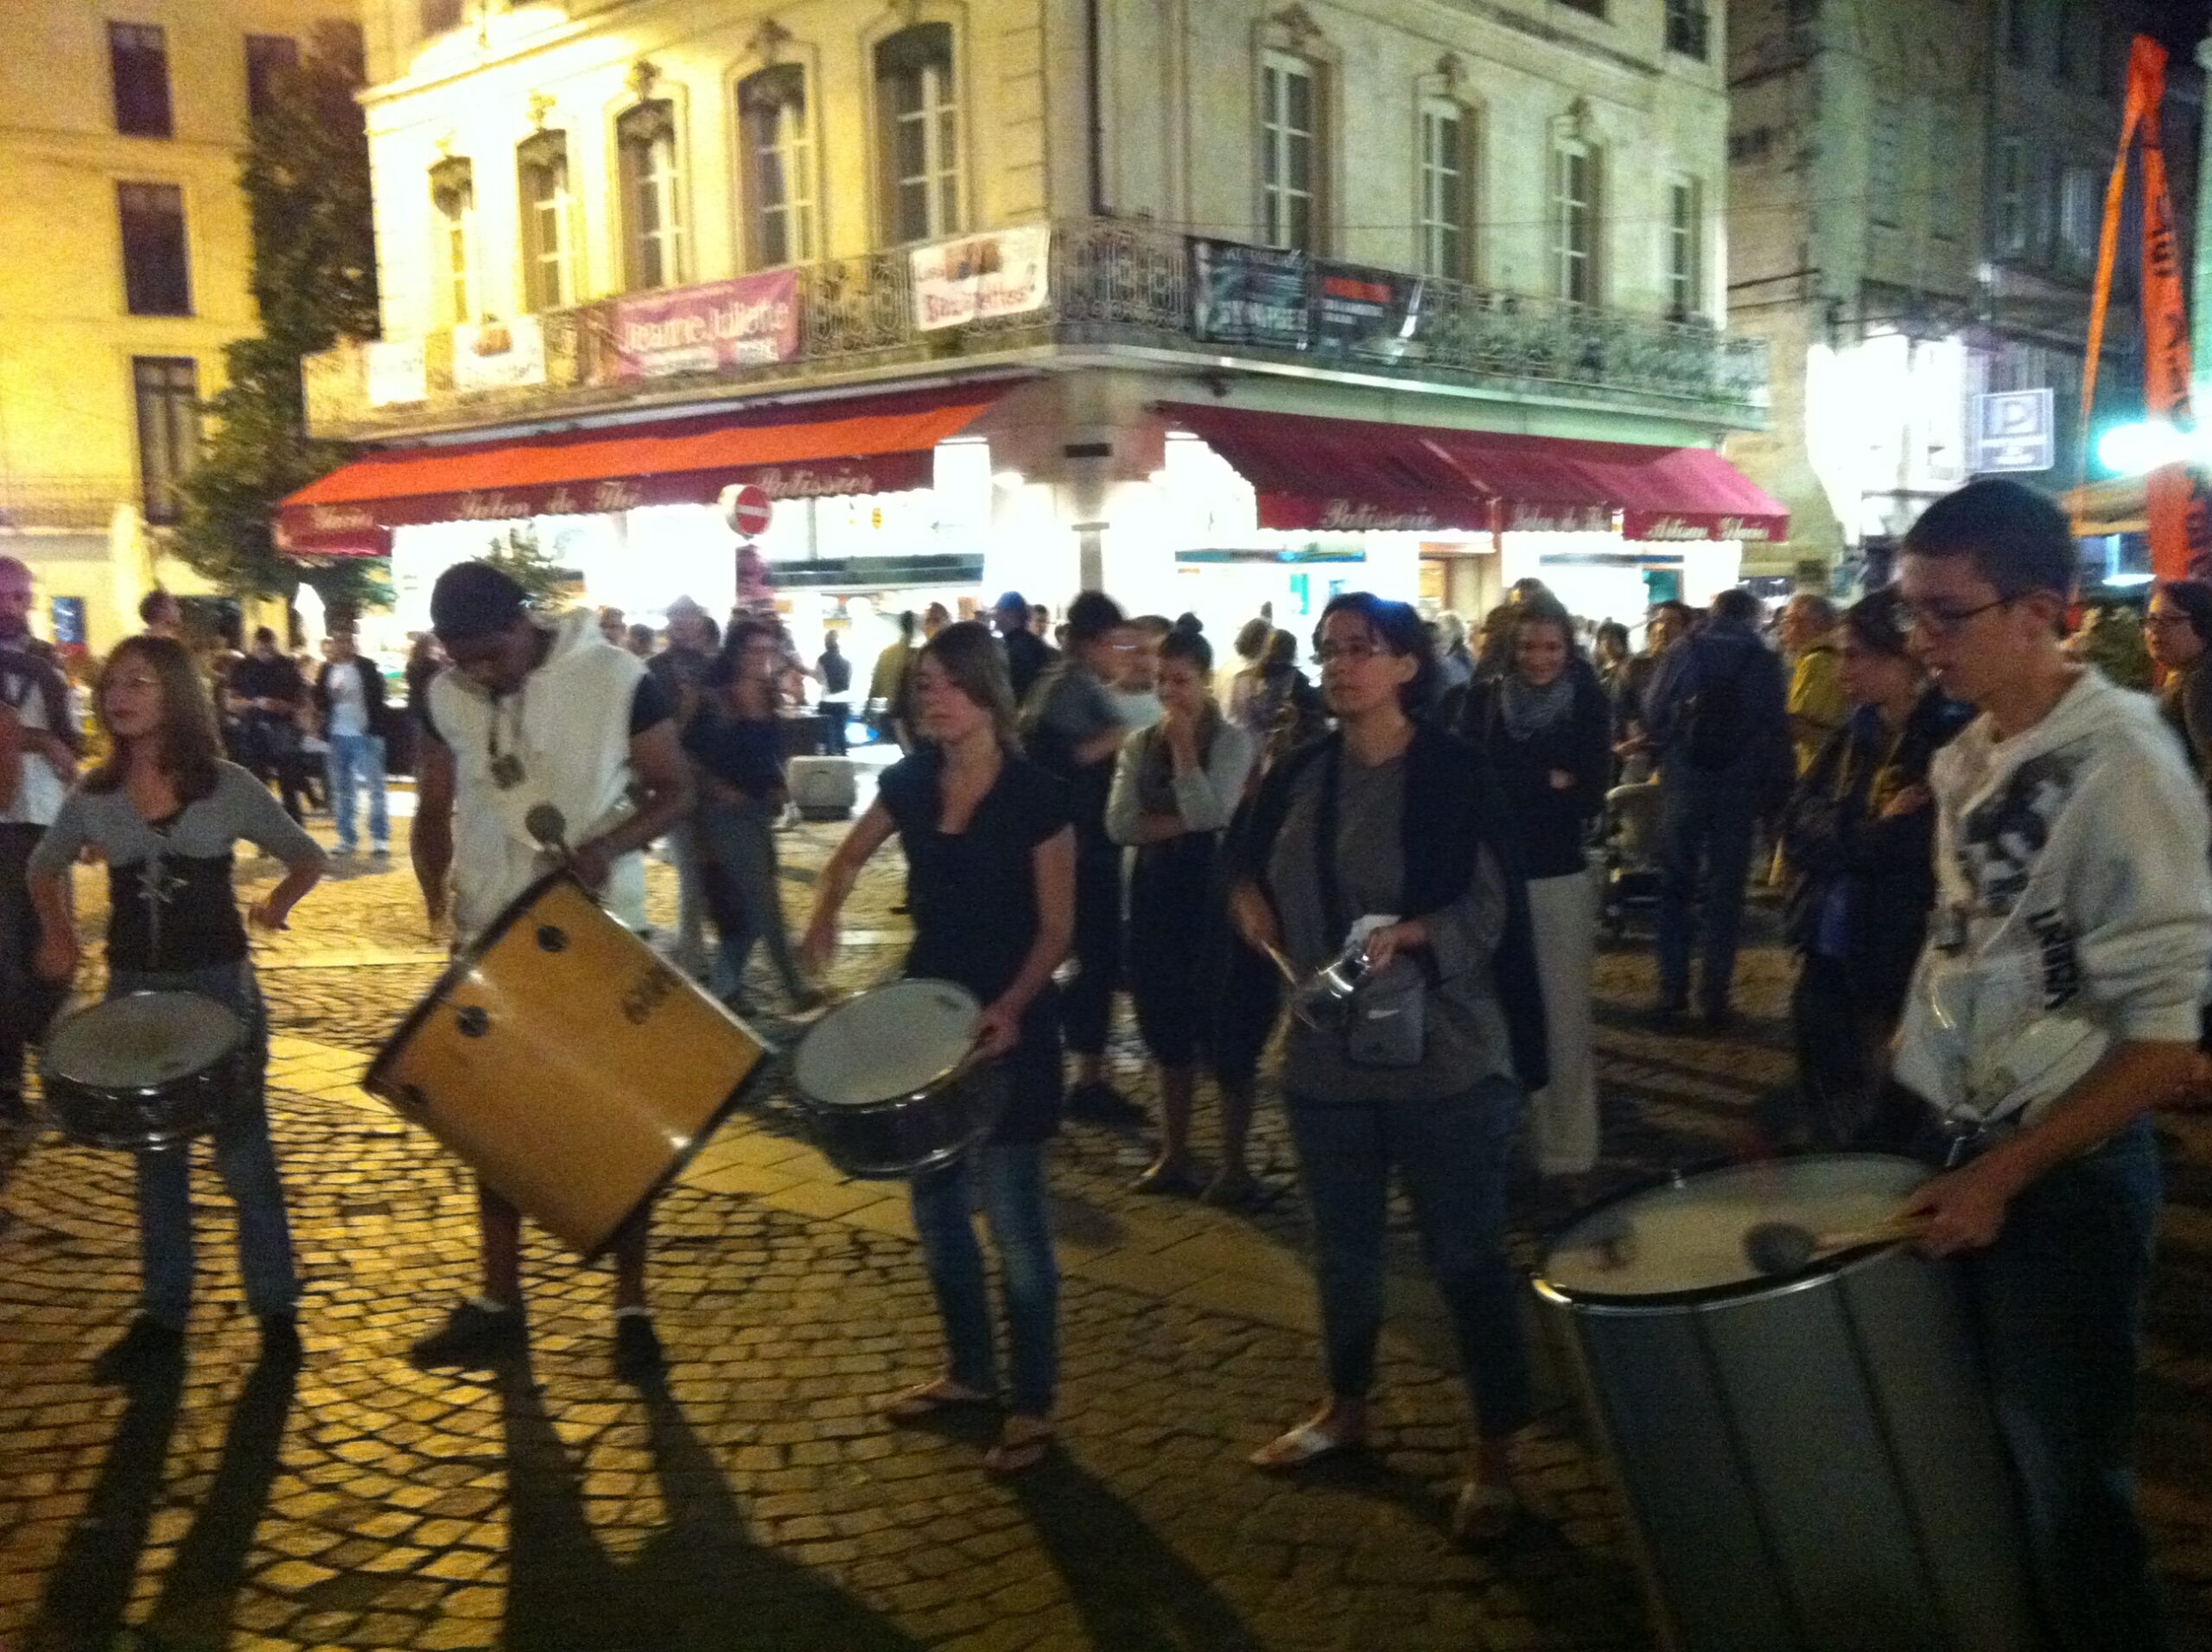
<point>1717,714</point>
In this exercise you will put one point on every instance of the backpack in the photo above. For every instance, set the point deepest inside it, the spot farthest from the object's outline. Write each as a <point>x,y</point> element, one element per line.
<point>1716,726</point>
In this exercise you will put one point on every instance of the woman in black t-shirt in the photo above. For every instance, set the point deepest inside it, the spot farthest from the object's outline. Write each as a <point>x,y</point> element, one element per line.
<point>165,813</point>
<point>990,880</point>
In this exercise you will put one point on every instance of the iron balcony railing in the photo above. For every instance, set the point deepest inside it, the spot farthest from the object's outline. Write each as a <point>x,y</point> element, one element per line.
<point>1111,283</point>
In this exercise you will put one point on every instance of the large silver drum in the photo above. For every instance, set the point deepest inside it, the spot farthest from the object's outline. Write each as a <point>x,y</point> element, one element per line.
<point>888,1083</point>
<point>143,1070</point>
<point>1810,1461</point>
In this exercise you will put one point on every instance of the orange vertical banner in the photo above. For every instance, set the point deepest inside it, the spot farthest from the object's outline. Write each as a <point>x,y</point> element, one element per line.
<point>2179,509</point>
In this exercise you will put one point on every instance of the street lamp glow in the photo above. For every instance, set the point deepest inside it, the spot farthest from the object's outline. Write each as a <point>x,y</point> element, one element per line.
<point>2137,449</point>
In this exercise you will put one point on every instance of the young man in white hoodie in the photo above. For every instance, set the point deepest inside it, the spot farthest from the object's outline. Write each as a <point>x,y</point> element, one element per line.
<point>2055,1005</point>
<point>534,712</point>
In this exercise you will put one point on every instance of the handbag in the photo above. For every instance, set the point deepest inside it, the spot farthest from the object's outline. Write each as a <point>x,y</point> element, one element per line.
<point>1386,1022</point>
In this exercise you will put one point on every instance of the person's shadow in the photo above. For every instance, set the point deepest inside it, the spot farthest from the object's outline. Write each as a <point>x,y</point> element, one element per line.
<point>698,1585</point>
<point>1133,1591</point>
<point>90,1586</point>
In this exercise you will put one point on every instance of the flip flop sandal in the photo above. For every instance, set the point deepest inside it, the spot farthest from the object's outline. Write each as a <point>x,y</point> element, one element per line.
<point>929,1399</point>
<point>1020,1455</point>
<point>1301,1446</point>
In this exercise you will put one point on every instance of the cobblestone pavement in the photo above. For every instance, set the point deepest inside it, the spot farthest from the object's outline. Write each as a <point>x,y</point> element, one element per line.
<point>755,1499</point>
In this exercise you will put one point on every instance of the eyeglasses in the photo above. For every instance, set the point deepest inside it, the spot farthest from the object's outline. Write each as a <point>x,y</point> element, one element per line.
<point>2163,621</point>
<point>1944,622</point>
<point>1349,653</point>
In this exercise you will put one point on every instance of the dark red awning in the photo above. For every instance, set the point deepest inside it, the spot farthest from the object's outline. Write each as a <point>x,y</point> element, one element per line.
<point>866,445</point>
<point>1351,473</point>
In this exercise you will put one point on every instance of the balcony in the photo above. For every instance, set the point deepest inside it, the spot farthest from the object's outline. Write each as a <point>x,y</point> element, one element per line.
<point>1113,288</point>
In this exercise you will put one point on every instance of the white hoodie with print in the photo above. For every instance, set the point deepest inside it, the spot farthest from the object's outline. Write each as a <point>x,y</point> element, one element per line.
<point>2072,905</point>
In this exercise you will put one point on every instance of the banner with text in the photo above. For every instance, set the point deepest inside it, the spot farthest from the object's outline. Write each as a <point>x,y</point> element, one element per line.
<point>499,355</point>
<point>745,323</point>
<point>979,277</point>
<point>1372,313</point>
<point>1251,295</point>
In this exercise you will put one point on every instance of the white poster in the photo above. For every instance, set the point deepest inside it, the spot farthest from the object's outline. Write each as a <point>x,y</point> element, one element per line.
<point>498,355</point>
<point>397,371</point>
<point>979,277</point>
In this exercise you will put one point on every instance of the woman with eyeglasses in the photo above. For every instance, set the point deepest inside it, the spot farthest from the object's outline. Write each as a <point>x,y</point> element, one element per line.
<point>1392,829</point>
<point>1857,837</point>
<point>2177,630</point>
<point>166,813</point>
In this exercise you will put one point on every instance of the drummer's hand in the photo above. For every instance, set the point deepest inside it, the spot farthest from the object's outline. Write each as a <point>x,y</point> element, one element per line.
<point>590,863</point>
<point>57,956</point>
<point>998,1029</point>
<point>1964,1208</point>
<point>264,916</point>
<point>816,948</point>
<point>1387,943</point>
<point>1257,926</point>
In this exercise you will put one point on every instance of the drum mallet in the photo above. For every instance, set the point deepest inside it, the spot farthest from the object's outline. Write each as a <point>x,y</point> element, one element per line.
<point>1787,1247</point>
<point>546,823</point>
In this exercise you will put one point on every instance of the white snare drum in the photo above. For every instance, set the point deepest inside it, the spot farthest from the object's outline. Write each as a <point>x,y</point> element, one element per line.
<point>1809,1459</point>
<point>887,1083</point>
<point>141,1071</point>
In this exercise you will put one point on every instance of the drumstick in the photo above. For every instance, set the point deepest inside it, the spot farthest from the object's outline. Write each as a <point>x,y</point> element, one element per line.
<point>546,823</point>
<point>1787,1246</point>
<point>1289,973</point>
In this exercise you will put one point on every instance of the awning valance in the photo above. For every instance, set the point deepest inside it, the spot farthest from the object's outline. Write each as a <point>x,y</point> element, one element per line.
<point>866,445</point>
<point>1349,473</point>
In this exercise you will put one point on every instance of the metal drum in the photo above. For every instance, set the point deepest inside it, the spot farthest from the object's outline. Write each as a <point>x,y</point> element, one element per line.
<point>565,1060</point>
<point>1810,1461</point>
<point>887,1081</point>
<point>141,1071</point>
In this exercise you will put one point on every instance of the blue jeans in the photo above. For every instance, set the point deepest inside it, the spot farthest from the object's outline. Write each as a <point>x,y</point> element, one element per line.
<point>2058,1304</point>
<point>1451,1156</point>
<point>1705,838</point>
<point>243,1156</point>
<point>1016,1204</point>
<point>351,754</point>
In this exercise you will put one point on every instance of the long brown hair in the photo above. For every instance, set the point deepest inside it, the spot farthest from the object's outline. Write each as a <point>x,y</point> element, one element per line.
<point>185,740</point>
<point>969,655</point>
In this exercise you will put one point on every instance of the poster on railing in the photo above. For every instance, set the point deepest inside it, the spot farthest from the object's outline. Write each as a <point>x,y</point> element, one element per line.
<point>499,355</point>
<point>1251,295</point>
<point>978,277</point>
<point>1373,313</point>
<point>717,324</point>
<point>397,371</point>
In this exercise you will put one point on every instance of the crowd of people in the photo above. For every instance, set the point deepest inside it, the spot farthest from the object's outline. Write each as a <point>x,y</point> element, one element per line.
<point>1998,883</point>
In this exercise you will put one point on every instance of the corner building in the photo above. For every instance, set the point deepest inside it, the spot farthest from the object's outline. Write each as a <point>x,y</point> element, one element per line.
<point>1207,301</point>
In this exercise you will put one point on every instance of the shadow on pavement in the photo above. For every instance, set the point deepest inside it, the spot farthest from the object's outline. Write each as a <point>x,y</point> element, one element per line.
<point>1133,1591</point>
<point>699,1584</point>
<point>90,1586</point>
<point>200,1590</point>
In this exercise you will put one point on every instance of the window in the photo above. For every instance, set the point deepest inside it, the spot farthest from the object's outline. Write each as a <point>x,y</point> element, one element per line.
<point>156,270</point>
<point>167,391</point>
<point>779,166</point>
<point>453,230</point>
<point>139,64</point>
<point>1747,147</point>
<point>1689,28</point>
<point>269,57</point>
<point>2012,192</point>
<point>1447,169</point>
<point>918,118</point>
<point>1595,7</point>
<point>1574,222</point>
<point>651,194</point>
<point>549,277</point>
<point>438,15</point>
<point>1886,163</point>
<point>1289,153</point>
<point>1685,250</point>
<point>2079,217</point>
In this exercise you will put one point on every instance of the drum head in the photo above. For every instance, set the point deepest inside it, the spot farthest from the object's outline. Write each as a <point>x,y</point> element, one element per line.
<point>1688,1236</point>
<point>143,1041</point>
<point>892,1040</point>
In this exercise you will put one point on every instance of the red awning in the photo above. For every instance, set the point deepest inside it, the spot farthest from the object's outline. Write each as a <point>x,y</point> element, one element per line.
<point>866,445</point>
<point>1337,473</point>
<point>1347,474</point>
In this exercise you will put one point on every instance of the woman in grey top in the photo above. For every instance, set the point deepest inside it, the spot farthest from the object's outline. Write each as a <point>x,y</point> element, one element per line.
<point>1392,819</point>
<point>164,811</point>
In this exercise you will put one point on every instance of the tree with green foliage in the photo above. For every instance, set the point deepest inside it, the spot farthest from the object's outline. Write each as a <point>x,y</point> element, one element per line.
<point>519,555</point>
<point>306,177</point>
